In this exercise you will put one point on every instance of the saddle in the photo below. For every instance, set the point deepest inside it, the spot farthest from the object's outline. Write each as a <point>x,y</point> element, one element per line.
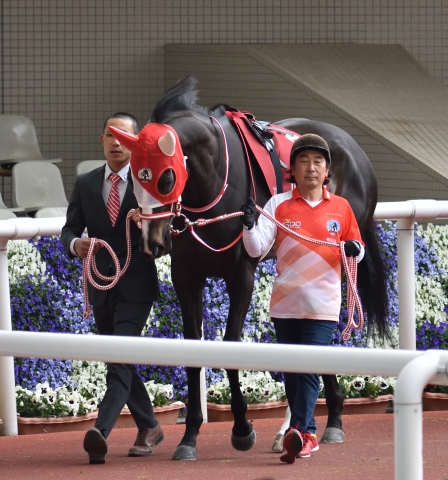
<point>270,146</point>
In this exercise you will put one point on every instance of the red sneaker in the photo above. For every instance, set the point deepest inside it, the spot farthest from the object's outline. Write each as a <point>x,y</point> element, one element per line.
<point>293,444</point>
<point>310,444</point>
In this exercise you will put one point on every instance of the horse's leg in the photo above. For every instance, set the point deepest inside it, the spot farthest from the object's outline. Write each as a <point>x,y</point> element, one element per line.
<point>189,292</point>
<point>240,288</point>
<point>186,450</point>
<point>333,432</point>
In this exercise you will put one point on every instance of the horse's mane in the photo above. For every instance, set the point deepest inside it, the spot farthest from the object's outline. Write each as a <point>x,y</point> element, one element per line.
<point>182,96</point>
<point>219,110</point>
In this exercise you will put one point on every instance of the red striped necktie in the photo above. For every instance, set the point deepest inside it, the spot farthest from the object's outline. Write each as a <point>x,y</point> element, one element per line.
<point>113,202</point>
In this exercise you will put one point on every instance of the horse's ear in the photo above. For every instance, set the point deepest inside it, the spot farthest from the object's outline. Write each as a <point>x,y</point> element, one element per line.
<point>129,140</point>
<point>167,144</point>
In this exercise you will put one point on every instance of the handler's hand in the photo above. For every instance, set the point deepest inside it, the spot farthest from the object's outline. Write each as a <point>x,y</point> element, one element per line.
<point>352,248</point>
<point>82,246</point>
<point>136,217</point>
<point>249,211</point>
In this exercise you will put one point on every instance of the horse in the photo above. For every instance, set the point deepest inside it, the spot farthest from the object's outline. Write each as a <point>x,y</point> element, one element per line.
<point>219,183</point>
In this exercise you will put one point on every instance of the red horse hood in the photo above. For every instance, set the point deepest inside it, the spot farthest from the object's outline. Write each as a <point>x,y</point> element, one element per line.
<point>154,150</point>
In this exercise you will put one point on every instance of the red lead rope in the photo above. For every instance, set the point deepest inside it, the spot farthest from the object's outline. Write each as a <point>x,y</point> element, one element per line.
<point>89,264</point>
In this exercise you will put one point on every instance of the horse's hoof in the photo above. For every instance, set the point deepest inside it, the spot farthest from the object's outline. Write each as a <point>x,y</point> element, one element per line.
<point>277,446</point>
<point>333,435</point>
<point>244,443</point>
<point>184,452</point>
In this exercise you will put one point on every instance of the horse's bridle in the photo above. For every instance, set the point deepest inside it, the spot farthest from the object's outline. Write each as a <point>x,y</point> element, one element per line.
<point>224,185</point>
<point>177,207</point>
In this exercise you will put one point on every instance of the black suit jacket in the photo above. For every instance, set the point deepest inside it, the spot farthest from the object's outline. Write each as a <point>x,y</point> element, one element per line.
<point>88,210</point>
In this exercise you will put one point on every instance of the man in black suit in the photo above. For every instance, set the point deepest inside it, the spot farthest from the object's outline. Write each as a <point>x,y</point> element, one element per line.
<point>100,203</point>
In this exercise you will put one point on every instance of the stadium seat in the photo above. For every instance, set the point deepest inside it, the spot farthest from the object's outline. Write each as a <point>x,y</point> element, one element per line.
<point>37,185</point>
<point>88,165</point>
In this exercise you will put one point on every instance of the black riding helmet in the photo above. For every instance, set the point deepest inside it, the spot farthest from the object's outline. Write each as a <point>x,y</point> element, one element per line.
<point>310,141</point>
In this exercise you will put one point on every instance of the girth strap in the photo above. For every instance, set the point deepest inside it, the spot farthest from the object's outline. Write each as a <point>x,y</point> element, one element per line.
<point>277,167</point>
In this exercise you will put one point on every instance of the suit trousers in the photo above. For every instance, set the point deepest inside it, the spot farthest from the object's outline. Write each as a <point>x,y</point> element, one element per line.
<point>124,385</point>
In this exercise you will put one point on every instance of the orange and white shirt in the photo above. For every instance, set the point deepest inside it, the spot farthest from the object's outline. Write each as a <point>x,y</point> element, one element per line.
<point>308,284</point>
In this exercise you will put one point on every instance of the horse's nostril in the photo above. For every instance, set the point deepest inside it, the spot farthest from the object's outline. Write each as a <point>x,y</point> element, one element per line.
<point>157,250</point>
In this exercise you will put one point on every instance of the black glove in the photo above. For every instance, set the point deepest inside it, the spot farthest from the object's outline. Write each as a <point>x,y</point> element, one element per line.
<point>249,211</point>
<point>352,248</point>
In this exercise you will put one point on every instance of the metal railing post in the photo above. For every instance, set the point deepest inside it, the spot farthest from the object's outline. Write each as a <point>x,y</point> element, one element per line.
<point>203,387</point>
<point>406,284</point>
<point>408,421</point>
<point>17,228</point>
<point>8,409</point>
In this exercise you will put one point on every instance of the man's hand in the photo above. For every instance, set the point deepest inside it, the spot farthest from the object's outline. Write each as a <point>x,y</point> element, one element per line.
<point>249,211</point>
<point>136,217</point>
<point>82,245</point>
<point>352,248</point>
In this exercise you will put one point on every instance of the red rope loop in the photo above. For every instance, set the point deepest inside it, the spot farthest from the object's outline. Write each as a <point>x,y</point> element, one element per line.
<point>89,264</point>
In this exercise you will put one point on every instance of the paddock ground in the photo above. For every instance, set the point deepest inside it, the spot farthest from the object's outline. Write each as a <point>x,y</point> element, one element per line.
<point>366,454</point>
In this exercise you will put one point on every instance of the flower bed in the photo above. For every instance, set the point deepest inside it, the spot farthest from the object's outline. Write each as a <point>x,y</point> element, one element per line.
<point>260,389</point>
<point>81,397</point>
<point>46,295</point>
<point>256,387</point>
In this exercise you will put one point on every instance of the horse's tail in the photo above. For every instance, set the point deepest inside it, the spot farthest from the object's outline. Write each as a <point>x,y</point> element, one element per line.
<point>372,284</point>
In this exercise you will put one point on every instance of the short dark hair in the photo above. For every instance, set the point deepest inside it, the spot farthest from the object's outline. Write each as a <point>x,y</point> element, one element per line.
<point>123,115</point>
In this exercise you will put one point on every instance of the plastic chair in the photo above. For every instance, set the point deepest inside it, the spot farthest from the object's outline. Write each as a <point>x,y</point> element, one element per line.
<point>37,185</point>
<point>51,212</point>
<point>88,165</point>
<point>6,214</point>
<point>18,141</point>
<point>14,210</point>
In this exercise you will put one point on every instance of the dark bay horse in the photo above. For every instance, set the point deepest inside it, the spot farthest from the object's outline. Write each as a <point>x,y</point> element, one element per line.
<point>202,135</point>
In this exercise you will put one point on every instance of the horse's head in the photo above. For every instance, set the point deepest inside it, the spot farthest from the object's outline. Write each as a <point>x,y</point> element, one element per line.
<point>159,176</point>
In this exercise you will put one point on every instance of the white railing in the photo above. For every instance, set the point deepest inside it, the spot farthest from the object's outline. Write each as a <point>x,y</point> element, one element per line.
<point>47,346</point>
<point>407,213</point>
<point>413,368</point>
<point>15,229</point>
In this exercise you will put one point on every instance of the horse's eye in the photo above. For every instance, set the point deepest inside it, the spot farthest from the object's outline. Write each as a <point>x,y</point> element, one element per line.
<point>166,182</point>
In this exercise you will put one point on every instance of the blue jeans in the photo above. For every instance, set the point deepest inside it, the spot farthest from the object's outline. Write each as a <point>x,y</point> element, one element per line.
<point>302,389</point>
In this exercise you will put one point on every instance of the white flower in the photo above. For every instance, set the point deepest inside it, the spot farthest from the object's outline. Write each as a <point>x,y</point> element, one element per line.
<point>256,387</point>
<point>42,388</point>
<point>358,383</point>
<point>50,396</point>
<point>24,259</point>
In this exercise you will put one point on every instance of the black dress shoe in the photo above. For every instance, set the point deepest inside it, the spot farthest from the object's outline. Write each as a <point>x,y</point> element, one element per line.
<point>95,445</point>
<point>145,442</point>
